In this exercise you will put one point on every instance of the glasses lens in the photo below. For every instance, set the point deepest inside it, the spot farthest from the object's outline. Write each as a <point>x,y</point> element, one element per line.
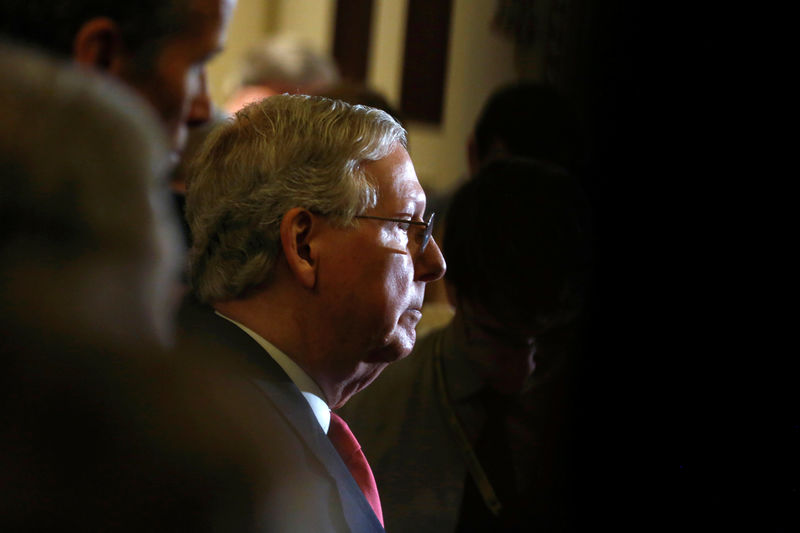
<point>427,235</point>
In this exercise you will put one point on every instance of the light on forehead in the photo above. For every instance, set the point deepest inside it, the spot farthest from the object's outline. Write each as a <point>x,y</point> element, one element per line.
<point>397,185</point>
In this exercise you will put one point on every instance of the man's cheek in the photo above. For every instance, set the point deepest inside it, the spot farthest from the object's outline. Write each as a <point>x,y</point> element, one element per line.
<point>393,239</point>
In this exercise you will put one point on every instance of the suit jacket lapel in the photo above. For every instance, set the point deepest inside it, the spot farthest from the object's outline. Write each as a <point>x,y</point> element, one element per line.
<point>297,412</point>
<point>288,399</point>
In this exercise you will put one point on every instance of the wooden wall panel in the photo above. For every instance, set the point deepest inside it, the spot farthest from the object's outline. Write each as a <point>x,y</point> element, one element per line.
<point>351,38</point>
<point>425,60</point>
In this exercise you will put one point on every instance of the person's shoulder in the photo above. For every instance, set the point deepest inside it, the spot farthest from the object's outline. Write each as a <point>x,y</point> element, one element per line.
<point>192,313</point>
<point>202,332</point>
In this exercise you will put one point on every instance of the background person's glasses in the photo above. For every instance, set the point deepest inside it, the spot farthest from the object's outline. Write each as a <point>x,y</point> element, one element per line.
<point>425,233</point>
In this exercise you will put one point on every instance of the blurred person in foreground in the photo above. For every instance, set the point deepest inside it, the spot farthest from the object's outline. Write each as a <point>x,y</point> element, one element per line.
<point>311,254</point>
<point>101,431</point>
<point>469,432</point>
<point>281,64</point>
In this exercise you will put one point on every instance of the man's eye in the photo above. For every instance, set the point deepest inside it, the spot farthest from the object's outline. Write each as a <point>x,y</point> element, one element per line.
<point>404,225</point>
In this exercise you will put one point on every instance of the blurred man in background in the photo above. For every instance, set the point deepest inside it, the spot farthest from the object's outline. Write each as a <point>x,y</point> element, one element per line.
<point>277,65</point>
<point>522,119</point>
<point>158,47</point>
<point>527,119</point>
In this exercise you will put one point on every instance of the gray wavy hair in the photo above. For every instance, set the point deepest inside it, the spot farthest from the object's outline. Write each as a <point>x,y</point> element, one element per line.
<point>283,152</point>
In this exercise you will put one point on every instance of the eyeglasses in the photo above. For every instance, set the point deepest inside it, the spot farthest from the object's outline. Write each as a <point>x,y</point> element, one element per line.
<point>423,237</point>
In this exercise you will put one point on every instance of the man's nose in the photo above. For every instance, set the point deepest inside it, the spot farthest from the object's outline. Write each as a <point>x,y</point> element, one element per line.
<point>200,107</point>
<point>430,264</point>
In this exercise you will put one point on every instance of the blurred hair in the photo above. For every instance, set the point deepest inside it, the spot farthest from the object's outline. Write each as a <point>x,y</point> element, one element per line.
<point>517,242</point>
<point>282,152</point>
<point>286,62</point>
<point>529,119</point>
<point>53,24</point>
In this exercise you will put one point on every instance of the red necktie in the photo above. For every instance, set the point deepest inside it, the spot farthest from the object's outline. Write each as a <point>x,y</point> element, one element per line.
<point>348,447</point>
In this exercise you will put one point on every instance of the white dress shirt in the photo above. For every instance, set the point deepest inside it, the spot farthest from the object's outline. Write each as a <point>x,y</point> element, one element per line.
<point>310,390</point>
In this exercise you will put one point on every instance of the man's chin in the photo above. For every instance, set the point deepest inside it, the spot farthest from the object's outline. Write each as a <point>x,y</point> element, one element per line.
<point>365,375</point>
<point>395,350</point>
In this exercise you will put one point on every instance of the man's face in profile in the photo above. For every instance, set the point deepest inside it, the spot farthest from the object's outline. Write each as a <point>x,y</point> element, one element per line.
<point>176,85</point>
<point>374,283</point>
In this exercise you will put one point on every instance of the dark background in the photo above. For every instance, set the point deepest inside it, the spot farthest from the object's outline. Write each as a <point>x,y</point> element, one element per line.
<point>687,416</point>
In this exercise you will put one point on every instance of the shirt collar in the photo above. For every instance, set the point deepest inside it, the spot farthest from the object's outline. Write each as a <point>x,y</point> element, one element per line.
<point>310,390</point>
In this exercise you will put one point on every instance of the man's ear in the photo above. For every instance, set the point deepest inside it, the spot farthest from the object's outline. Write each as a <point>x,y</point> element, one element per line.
<point>99,44</point>
<point>296,230</point>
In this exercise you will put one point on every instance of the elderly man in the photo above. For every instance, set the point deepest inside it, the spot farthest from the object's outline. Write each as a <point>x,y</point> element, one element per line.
<point>158,47</point>
<point>312,251</point>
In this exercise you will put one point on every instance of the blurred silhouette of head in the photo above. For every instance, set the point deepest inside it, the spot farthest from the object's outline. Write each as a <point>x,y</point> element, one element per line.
<point>281,64</point>
<point>87,234</point>
<point>527,119</point>
<point>158,47</point>
<point>517,248</point>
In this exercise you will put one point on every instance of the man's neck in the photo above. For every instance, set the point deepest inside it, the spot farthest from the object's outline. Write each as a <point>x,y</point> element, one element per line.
<point>308,387</point>
<point>279,324</point>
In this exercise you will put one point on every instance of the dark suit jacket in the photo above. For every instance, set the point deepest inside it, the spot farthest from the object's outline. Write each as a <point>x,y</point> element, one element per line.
<point>309,486</point>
